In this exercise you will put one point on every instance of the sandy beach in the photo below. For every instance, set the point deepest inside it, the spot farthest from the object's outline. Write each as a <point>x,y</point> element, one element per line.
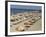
<point>26,22</point>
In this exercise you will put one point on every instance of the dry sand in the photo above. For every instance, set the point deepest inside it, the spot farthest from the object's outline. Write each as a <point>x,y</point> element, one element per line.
<point>34,27</point>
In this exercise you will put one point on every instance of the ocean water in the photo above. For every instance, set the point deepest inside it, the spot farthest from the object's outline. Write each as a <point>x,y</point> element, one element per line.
<point>14,10</point>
